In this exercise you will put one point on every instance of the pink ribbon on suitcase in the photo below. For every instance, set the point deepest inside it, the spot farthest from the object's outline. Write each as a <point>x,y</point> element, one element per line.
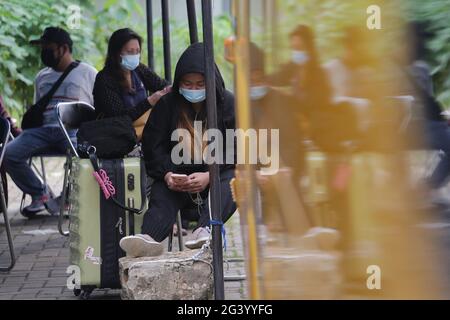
<point>105,183</point>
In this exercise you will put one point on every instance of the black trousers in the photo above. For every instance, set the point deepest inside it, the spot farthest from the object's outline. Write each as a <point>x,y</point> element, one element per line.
<point>165,204</point>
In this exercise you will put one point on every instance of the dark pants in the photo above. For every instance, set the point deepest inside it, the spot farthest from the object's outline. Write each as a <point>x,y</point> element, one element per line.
<point>30,143</point>
<point>165,204</point>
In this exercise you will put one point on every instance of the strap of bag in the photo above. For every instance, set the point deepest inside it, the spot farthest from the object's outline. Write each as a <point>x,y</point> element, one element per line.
<point>45,100</point>
<point>94,161</point>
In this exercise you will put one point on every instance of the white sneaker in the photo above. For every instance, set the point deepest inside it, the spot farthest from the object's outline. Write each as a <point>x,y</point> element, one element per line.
<point>199,237</point>
<point>141,245</point>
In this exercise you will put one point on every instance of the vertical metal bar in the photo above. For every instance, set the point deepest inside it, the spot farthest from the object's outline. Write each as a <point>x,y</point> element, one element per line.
<point>192,19</point>
<point>273,33</point>
<point>44,176</point>
<point>180,231</point>
<point>214,177</point>
<point>4,209</point>
<point>150,51</point>
<point>166,40</point>
<point>3,205</point>
<point>244,122</point>
<point>170,243</point>
<point>64,194</point>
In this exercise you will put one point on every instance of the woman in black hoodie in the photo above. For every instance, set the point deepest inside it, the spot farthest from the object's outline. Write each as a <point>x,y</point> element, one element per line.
<point>171,192</point>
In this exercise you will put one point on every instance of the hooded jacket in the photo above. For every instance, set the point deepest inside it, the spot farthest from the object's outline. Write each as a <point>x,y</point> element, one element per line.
<point>157,145</point>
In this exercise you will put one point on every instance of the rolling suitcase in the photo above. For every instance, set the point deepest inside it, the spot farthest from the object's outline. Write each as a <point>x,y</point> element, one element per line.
<point>97,224</point>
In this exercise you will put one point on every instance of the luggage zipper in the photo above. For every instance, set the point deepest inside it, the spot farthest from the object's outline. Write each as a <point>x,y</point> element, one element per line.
<point>119,225</point>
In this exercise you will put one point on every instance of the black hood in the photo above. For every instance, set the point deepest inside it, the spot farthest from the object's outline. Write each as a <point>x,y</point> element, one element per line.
<point>193,61</point>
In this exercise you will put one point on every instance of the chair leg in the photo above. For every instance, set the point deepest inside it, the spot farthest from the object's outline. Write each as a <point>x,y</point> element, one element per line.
<point>169,249</point>
<point>8,230</point>
<point>180,231</point>
<point>64,197</point>
<point>43,170</point>
<point>24,195</point>
<point>180,235</point>
<point>22,202</point>
<point>44,178</point>
<point>42,175</point>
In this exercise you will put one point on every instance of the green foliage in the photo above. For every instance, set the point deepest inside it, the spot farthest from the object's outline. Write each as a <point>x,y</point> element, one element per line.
<point>436,14</point>
<point>21,21</point>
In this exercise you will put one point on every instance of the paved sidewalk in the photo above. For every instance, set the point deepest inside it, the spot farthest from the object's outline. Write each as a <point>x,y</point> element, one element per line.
<point>42,259</point>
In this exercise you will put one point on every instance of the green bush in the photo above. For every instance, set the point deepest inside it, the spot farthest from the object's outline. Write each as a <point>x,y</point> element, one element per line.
<point>21,21</point>
<point>436,15</point>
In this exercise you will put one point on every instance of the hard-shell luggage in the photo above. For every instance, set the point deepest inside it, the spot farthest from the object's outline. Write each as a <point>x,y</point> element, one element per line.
<point>97,224</point>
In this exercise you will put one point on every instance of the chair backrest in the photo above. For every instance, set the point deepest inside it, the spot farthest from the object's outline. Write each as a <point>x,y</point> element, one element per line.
<point>71,115</point>
<point>5,129</point>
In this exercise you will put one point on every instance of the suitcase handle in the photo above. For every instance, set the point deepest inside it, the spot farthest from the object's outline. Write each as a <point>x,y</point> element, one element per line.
<point>94,161</point>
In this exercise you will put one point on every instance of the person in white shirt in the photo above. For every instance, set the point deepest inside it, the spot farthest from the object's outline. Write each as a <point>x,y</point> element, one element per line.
<point>45,136</point>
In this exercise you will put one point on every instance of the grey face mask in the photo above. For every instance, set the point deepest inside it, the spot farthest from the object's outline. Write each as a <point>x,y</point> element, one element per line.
<point>299,57</point>
<point>258,92</point>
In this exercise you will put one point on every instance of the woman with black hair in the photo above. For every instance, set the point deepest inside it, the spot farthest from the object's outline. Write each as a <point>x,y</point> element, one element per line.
<point>303,73</point>
<point>182,185</point>
<point>122,87</point>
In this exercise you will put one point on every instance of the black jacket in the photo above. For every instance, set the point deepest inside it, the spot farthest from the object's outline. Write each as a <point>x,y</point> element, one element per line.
<point>107,93</point>
<point>420,76</point>
<point>156,142</point>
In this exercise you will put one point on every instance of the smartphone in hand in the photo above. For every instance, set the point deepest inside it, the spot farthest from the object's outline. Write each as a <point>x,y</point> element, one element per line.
<point>179,178</point>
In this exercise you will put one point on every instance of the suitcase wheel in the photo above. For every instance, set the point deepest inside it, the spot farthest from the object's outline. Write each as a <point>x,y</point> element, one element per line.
<point>86,292</point>
<point>85,295</point>
<point>76,292</point>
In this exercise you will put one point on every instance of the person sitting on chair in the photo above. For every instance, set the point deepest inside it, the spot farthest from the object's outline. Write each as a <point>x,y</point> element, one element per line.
<point>121,87</point>
<point>180,185</point>
<point>43,134</point>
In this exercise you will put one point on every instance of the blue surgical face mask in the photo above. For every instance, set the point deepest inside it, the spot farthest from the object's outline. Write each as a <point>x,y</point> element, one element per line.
<point>130,61</point>
<point>258,92</point>
<point>299,57</point>
<point>193,96</point>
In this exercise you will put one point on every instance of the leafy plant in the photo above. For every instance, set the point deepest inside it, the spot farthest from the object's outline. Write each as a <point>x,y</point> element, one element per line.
<point>435,14</point>
<point>21,21</point>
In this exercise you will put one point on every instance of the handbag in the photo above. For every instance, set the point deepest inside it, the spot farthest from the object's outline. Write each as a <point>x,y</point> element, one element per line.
<point>113,138</point>
<point>140,123</point>
<point>33,117</point>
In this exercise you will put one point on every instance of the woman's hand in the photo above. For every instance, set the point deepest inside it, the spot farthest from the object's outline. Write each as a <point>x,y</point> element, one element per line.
<point>198,182</point>
<point>154,98</point>
<point>174,185</point>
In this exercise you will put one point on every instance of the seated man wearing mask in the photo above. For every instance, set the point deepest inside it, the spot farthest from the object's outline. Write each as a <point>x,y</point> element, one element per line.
<point>56,55</point>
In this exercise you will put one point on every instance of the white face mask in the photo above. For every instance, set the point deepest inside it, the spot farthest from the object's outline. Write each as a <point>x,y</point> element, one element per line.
<point>258,92</point>
<point>299,57</point>
<point>193,96</point>
<point>130,61</point>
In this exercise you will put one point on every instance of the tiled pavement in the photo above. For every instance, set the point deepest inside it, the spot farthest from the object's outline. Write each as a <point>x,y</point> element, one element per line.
<point>42,259</point>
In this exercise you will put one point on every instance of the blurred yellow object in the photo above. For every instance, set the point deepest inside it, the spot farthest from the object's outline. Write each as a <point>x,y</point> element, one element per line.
<point>229,47</point>
<point>339,219</point>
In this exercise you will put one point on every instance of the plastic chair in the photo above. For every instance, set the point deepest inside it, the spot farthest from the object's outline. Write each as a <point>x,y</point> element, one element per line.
<point>70,117</point>
<point>4,136</point>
